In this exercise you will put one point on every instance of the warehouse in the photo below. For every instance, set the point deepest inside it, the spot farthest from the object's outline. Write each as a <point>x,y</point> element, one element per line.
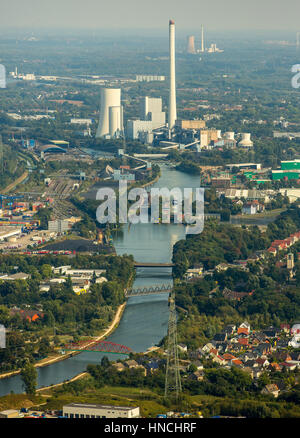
<point>83,410</point>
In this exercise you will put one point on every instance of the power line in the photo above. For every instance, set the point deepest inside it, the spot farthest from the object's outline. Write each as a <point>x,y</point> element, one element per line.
<point>173,380</point>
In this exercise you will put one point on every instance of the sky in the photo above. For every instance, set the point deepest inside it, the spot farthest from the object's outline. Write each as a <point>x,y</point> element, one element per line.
<point>151,14</point>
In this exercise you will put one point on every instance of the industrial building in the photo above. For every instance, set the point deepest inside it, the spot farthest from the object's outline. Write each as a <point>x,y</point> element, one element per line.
<point>84,410</point>
<point>58,226</point>
<point>149,78</point>
<point>111,114</point>
<point>152,117</point>
<point>190,124</point>
<point>7,233</point>
<point>10,413</point>
<point>289,170</point>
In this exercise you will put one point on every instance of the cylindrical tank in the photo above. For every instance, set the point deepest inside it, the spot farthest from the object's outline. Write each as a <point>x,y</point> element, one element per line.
<point>110,97</point>
<point>246,141</point>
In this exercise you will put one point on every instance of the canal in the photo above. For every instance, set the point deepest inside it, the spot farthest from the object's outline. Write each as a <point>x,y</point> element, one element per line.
<point>145,319</point>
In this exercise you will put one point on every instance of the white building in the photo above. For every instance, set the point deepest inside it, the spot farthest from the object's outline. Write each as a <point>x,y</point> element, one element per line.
<point>149,78</point>
<point>81,121</point>
<point>84,410</point>
<point>152,117</point>
<point>58,226</point>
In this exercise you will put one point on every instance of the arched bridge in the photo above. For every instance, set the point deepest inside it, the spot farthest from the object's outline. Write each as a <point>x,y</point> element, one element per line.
<point>98,347</point>
<point>152,290</point>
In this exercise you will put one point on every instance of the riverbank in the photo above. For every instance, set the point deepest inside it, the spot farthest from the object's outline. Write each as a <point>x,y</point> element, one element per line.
<point>58,358</point>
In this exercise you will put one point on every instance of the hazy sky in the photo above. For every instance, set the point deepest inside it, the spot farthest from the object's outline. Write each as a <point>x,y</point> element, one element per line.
<point>103,14</point>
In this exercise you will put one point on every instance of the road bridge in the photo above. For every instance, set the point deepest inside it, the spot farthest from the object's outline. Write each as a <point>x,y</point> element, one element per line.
<point>153,265</point>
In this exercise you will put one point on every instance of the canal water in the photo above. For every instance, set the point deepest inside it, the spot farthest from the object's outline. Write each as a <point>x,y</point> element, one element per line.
<point>145,319</point>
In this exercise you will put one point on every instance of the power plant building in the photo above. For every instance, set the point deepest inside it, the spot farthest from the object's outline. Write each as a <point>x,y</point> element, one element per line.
<point>190,124</point>
<point>111,114</point>
<point>152,117</point>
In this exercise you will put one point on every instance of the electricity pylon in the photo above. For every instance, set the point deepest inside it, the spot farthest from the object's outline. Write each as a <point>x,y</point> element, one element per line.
<point>173,381</point>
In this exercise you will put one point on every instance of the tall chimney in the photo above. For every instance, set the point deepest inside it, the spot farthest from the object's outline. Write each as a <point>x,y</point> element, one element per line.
<point>172,97</point>
<point>202,39</point>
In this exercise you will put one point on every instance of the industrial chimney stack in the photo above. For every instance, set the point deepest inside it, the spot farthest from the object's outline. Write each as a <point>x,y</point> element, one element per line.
<point>172,98</point>
<point>202,38</point>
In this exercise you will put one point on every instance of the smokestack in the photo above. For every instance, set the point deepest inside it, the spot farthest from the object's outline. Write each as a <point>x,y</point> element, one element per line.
<point>202,39</point>
<point>191,45</point>
<point>298,40</point>
<point>172,98</point>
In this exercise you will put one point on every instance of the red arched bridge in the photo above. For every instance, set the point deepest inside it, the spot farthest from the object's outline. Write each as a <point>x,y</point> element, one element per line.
<point>97,347</point>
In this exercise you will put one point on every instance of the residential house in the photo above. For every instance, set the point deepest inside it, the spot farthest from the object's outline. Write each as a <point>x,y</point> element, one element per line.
<point>244,328</point>
<point>262,362</point>
<point>118,366</point>
<point>272,332</point>
<point>197,375</point>
<point>220,337</point>
<point>198,365</point>
<point>183,348</point>
<point>29,315</point>
<point>285,328</point>
<point>271,389</point>
<point>229,329</point>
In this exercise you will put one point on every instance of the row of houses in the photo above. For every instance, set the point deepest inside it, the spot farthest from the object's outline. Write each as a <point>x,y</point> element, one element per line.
<point>281,245</point>
<point>255,352</point>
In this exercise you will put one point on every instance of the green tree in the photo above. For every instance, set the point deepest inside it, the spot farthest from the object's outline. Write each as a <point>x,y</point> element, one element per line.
<point>29,378</point>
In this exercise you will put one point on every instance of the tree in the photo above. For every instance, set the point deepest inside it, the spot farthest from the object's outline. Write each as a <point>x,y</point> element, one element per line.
<point>105,362</point>
<point>29,378</point>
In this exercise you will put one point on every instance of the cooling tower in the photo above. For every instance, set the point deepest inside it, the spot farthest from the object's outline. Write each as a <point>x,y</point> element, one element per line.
<point>172,97</point>
<point>191,45</point>
<point>115,121</point>
<point>110,97</point>
<point>229,135</point>
<point>246,141</point>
